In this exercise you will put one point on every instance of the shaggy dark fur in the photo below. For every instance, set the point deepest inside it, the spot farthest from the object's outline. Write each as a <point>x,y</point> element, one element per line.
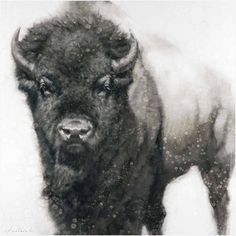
<point>113,182</point>
<point>102,187</point>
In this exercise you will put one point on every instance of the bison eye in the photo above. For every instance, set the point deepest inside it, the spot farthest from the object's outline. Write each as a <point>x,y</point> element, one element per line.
<point>104,87</point>
<point>104,92</point>
<point>44,89</point>
<point>107,87</point>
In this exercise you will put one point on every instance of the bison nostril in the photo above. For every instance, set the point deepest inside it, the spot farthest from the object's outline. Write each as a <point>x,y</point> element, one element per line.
<point>84,131</point>
<point>66,131</point>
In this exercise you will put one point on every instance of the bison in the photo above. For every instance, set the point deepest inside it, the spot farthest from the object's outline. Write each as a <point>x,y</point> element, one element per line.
<point>109,139</point>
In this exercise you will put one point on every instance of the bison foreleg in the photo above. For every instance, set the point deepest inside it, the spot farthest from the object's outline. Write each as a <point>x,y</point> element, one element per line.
<point>216,179</point>
<point>154,218</point>
<point>155,211</point>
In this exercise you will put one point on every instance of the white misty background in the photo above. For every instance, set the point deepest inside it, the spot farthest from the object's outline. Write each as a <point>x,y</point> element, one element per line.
<point>204,29</point>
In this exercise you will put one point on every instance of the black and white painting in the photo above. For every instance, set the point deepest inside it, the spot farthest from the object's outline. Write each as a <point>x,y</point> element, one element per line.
<point>117,117</point>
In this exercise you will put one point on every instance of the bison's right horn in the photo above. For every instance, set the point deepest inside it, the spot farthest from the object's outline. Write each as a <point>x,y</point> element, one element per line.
<point>125,63</point>
<point>17,55</point>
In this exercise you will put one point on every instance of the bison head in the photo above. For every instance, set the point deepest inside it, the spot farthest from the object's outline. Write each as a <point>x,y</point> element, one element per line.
<point>76,75</point>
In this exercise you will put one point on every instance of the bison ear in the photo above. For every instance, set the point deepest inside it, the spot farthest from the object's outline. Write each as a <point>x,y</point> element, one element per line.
<point>26,85</point>
<point>123,79</point>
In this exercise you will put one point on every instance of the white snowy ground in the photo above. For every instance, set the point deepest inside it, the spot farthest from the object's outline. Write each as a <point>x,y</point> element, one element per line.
<point>206,30</point>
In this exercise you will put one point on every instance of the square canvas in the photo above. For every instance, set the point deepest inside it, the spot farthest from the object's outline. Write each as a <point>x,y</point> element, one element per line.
<point>117,117</point>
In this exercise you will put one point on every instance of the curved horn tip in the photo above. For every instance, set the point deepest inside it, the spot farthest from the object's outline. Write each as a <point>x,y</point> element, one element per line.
<point>17,32</point>
<point>16,36</point>
<point>126,62</point>
<point>16,53</point>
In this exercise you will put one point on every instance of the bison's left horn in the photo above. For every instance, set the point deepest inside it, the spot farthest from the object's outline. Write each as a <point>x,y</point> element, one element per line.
<point>17,55</point>
<point>126,63</point>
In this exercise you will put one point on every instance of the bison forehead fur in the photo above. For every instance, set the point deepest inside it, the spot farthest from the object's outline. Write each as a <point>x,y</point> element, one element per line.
<point>72,61</point>
<point>108,138</point>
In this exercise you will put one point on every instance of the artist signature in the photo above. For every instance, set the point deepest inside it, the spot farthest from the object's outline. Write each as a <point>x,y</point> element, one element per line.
<point>14,229</point>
